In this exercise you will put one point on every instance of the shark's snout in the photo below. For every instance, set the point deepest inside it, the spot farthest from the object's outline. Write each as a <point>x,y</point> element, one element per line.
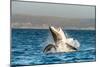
<point>54,29</point>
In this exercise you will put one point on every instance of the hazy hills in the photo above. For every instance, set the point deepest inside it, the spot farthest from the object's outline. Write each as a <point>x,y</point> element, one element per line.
<point>42,22</point>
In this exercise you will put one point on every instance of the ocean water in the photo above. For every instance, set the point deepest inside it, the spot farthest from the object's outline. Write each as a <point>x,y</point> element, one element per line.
<point>27,47</point>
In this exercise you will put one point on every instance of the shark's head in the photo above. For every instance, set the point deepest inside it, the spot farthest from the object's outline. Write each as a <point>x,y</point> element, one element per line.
<point>57,33</point>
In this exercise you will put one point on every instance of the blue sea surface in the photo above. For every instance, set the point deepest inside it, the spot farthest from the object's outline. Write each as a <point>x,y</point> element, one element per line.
<point>27,47</point>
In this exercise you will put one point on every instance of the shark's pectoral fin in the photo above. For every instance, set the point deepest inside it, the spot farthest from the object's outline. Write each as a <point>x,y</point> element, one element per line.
<point>50,48</point>
<point>71,47</point>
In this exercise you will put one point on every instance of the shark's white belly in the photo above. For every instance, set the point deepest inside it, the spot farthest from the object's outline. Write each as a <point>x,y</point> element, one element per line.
<point>62,47</point>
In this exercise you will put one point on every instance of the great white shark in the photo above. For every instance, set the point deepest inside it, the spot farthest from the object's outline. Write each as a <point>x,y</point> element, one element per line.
<point>62,43</point>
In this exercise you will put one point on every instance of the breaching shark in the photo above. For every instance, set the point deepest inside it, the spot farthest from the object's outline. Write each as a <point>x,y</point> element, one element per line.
<point>62,43</point>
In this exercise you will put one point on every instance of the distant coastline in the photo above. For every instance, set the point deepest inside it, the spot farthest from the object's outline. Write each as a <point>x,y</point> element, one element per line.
<point>43,22</point>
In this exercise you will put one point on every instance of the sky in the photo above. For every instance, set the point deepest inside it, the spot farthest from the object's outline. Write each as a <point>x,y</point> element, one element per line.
<point>72,11</point>
<point>82,13</point>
